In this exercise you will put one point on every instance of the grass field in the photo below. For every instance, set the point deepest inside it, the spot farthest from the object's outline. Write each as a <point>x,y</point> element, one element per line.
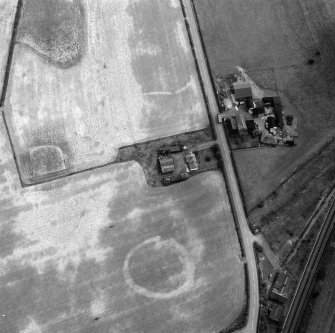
<point>101,251</point>
<point>7,15</point>
<point>89,77</point>
<point>273,41</point>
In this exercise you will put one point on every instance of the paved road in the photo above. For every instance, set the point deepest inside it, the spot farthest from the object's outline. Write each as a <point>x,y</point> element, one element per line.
<point>247,237</point>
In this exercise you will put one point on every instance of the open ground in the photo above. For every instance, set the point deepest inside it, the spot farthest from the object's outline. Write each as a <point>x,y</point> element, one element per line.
<point>90,77</point>
<point>274,40</point>
<point>102,251</point>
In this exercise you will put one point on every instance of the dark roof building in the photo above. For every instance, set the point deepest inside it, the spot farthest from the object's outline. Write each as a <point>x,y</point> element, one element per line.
<point>280,291</point>
<point>258,111</point>
<point>289,119</point>
<point>166,164</point>
<point>249,102</point>
<point>272,100</point>
<point>276,312</point>
<point>170,149</point>
<point>242,90</point>
<point>231,126</point>
<point>271,121</point>
<point>278,111</point>
<point>250,124</point>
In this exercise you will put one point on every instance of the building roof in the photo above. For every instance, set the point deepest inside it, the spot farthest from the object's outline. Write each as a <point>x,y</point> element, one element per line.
<point>171,149</point>
<point>281,280</point>
<point>192,162</point>
<point>250,124</point>
<point>166,164</point>
<point>268,139</point>
<point>240,121</point>
<point>276,312</point>
<point>258,110</point>
<point>242,90</point>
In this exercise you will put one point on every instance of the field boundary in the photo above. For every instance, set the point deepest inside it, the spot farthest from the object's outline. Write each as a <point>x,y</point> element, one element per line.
<point>69,173</point>
<point>11,51</point>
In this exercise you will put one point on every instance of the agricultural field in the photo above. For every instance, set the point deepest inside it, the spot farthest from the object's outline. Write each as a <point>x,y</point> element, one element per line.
<point>7,15</point>
<point>101,251</point>
<point>274,41</point>
<point>89,77</point>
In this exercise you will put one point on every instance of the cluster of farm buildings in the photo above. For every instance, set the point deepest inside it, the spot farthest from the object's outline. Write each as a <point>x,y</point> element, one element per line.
<point>254,122</point>
<point>177,162</point>
<point>279,294</point>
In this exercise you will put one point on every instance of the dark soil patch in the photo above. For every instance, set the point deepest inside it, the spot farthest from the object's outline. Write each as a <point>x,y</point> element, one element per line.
<point>54,29</point>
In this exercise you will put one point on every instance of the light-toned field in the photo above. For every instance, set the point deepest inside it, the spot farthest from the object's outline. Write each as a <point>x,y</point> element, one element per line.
<point>135,81</point>
<point>273,40</point>
<point>7,15</point>
<point>103,245</point>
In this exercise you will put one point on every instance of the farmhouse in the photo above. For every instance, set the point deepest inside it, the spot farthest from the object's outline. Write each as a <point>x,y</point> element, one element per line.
<point>166,164</point>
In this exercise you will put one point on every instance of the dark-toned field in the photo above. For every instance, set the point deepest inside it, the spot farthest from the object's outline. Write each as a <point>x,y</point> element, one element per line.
<point>274,40</point>
<point>54,29</point>
<point>103,252</point>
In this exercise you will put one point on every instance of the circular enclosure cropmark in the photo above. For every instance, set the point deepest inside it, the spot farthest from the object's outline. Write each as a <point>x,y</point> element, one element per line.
<point>159,268</point>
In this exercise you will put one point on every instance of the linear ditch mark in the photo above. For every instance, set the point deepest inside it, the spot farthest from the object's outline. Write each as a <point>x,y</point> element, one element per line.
<point>11,51</point>
<point>6,80</point>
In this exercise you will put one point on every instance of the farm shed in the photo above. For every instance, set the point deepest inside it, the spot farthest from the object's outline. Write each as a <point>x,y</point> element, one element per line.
<point>166,164</point>
<point>242,90</point>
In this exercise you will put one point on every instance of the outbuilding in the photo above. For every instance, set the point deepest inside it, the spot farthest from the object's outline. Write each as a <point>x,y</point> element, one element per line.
<point>166,164</point>
<point>242,91</point>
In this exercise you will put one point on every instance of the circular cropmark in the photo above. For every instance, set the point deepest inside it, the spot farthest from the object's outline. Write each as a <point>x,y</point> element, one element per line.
<point>159,268</point>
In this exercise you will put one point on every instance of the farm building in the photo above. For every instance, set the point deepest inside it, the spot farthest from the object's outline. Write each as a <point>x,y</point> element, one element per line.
<point>170,149</point>
<point>231,126</point>
<point>278,111</point>
<point>280,291</point>
<point>191,161</point>
<point>271,121</point>
<point>271,100</point>
<point>166,164</point>
<point>249,102</point>
<point>276,312</point>
<point>251,125</point>
<point>242,91</point>
<point>289,120</point>
<point>268,139</point>
<point>257,111</point>
<point>241,123</point>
